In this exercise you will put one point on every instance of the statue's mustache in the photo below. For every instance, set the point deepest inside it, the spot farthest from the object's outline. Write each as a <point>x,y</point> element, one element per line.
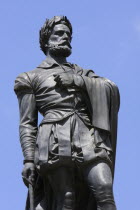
<point>63,43</point>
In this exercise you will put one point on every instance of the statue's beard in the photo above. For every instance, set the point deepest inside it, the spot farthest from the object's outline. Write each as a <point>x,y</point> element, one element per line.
<point>60,50</point>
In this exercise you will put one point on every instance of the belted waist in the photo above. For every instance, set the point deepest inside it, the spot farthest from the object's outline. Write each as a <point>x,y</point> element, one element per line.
<point>55,115</point>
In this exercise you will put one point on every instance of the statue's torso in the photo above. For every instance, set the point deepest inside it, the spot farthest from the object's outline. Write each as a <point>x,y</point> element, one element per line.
<point>53,102</point>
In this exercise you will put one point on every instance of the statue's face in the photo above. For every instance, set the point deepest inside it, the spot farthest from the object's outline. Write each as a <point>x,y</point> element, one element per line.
<point>59,41</point>
<point>60,35</point>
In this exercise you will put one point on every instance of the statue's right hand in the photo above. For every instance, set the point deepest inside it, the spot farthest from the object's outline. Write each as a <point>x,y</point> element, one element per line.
<point>28,174</point>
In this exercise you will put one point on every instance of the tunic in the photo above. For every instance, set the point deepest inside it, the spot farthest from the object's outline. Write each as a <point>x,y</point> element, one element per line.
<point>66,134</point>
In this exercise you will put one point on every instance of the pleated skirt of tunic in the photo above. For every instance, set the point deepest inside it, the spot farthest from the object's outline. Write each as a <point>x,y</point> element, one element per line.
<point>67,142</point>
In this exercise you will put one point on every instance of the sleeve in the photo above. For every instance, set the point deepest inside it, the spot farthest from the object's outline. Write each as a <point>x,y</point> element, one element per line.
<point>28,116</point>
<point>78,81</point>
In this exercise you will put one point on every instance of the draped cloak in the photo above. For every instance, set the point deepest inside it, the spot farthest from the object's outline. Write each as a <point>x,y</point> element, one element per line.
<point>102,99</point>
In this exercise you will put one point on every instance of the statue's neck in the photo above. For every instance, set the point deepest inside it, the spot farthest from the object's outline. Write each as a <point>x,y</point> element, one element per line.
<point>59,60</point>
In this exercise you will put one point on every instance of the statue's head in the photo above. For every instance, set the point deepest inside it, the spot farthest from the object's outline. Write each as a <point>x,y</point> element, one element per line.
<point>55,36</point>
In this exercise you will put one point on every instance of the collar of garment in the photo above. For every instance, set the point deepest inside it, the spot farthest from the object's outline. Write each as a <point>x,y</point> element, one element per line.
<point>48,63</point>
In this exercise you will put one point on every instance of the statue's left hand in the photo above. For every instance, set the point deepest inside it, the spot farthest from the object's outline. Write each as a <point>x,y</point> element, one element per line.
<point>64,79</point>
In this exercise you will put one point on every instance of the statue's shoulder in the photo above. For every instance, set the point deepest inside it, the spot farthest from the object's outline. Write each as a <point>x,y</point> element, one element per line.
<point>34,73</point>
<point>110,83</point>
<point>28,75</point>
<point>22,76</point>
<point>85,72</point>
<point>23,82</point>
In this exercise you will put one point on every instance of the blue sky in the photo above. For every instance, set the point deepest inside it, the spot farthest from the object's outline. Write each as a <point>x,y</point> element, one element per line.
<point>106,39</point>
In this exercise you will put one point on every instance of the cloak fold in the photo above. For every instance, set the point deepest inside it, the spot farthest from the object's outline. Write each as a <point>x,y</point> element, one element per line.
<point>105,101</point>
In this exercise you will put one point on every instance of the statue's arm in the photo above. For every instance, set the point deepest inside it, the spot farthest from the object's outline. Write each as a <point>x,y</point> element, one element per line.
<point>28,125</point>
<point>28,117</point>
<point>78,81</point>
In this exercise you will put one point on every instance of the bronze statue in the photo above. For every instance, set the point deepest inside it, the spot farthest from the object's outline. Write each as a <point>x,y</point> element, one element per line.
<point>69,158</point>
